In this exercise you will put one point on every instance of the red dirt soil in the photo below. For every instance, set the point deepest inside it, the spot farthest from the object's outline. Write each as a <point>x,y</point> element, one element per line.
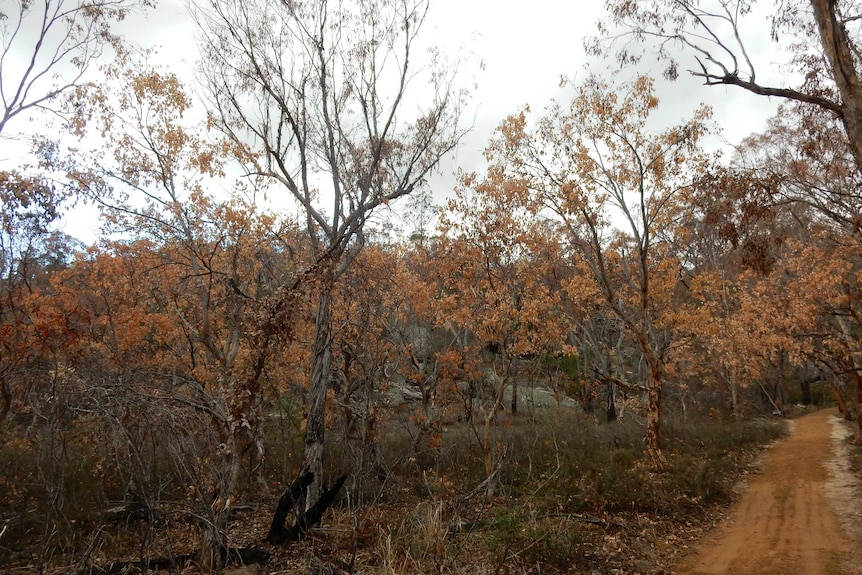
<point>785,522</point>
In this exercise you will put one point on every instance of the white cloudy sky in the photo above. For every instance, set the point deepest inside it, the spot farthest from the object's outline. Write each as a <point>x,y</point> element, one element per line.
<point>525,48</point>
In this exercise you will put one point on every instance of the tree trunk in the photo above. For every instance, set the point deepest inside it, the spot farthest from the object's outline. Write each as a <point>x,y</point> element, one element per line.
<point>214,539</point>
<point>653,419</point>
<point>488,440</point>
<point>778,388</point>
<point>805,386</point>
<point>857,379</point>
<point>279,533</point>
<point>837,47</point>
<point>213,546</point>
<point>6,397</point>
<point>514,403</point>
<point>321,362</point>
<point>655,377</point>
<point>842,407</point>
<point>488,450</point>
<point>612,402</point>
<point>734,398</point>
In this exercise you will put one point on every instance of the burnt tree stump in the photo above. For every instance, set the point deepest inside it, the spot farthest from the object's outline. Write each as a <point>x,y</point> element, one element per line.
<point>305,520</point>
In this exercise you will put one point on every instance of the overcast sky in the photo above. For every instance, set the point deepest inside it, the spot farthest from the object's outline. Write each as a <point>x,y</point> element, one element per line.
<point>525,48</point>
<point>528,46</point>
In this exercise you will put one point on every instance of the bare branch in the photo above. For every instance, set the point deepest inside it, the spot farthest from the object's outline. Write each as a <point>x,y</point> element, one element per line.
<point>70,36</point>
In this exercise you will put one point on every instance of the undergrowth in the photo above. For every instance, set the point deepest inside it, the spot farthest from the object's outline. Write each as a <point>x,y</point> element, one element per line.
<point>573,494</point>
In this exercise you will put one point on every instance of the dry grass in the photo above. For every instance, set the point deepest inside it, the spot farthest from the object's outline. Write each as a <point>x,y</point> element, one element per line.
<point>575,496</point>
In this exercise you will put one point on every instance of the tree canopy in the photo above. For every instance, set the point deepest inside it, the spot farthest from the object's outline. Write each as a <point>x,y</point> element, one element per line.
<point>252,330</point>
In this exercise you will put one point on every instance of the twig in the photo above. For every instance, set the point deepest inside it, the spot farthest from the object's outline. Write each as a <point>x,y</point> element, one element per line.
<point>488,480</point>
<point>91,547</point>
<point>584,519</point>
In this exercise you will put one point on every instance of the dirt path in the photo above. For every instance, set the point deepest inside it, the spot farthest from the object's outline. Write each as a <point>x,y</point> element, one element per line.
<point>785,521</point>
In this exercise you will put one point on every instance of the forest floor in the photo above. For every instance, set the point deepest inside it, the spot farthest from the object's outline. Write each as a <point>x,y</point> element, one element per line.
<point>797,510</point>
<point>800,514</point>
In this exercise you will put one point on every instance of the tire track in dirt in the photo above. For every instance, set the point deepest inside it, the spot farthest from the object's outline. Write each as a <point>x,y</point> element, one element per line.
<point>785,521</point>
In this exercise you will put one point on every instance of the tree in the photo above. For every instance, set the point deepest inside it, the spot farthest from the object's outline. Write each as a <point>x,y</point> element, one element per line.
<point>367,309</point>
<point>150,173</point>
<point>45,50</point>
<point>734,239</point>
<point>70,35</point>
<point>158,362</point>
<point>319,98</point>
<point>813,179</point>
<point>604,350</point>
<point>595,165</point>
<point>803,157</point>
<point>29,208</point>
<point>494,256</point>
<point>35,395</point>
<point>815,142</point>
<point>821,35</point>
<point>422,350</point>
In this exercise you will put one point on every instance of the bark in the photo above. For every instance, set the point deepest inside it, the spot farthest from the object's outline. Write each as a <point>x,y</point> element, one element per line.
<point>778,387</point>
<point>488,450</point>
<point>842,406</point>
<point>315,512</point>
<point>321,363</point>
<point>6,397</point>
<point>214,544</point>
<point>514,403</point>
<point>305,520</point>
<point>277,531</point>
<point>734,392</point>
<point>734,397</point>
<point>805,387</point>
<point>857,378</point>
<point>655,378</point>
<point>612,402</point>
<point>488,443</point>
<point>653,420</point>
<point>839,52</point>
<point>214,533</point>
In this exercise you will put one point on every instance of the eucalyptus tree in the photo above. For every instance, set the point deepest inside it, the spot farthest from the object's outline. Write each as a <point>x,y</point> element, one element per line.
<point>617,190</point>
<point>341,108</point>
<point>820,37</point>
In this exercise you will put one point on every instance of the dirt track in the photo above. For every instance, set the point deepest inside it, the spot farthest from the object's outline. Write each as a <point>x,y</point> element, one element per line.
<point>785,521</point>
